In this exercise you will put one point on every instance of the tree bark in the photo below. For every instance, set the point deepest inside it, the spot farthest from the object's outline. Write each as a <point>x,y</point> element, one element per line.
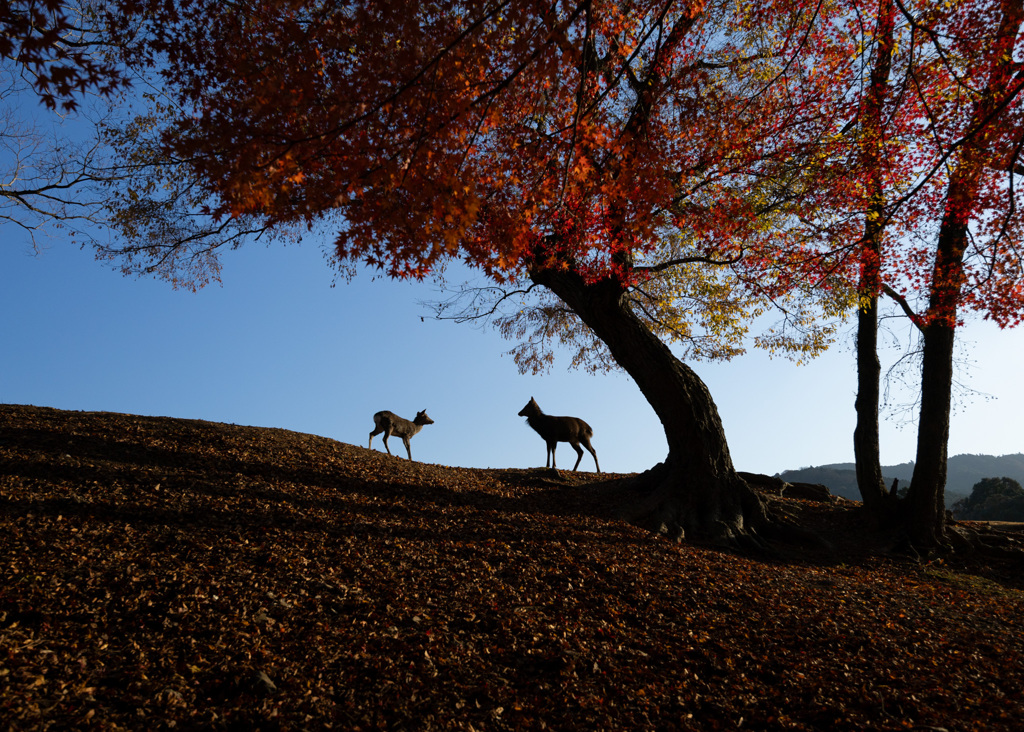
<point>866,442</point>
<point>925,507</point>
<point>695,493</point>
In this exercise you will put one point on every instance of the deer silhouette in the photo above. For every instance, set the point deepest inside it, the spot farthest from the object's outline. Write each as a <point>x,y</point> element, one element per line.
<point>559,429</point>
<point>391,424</point>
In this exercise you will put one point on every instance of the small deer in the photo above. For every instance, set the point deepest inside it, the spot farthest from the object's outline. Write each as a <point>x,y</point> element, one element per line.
<point>559,429</point>
<point>391,424</point>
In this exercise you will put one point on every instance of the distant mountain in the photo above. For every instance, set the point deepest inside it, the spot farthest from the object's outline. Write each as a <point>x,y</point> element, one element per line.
<point>963,471</point>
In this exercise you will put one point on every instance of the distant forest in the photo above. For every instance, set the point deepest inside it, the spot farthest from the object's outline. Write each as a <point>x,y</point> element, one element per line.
<point>964,472</point>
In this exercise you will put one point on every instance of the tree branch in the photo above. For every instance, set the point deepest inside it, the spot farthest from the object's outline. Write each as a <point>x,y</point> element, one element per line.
<point>904,305</point>
<point>668,264</point>
<point>466,315</point>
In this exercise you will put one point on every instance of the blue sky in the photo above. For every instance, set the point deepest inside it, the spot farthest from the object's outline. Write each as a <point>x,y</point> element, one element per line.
<point>276,346</point>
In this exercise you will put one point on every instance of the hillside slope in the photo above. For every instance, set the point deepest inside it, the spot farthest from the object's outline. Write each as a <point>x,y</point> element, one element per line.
<point>159,573</point>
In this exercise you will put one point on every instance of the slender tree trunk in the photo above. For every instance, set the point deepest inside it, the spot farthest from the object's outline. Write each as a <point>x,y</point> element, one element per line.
<point>866,442</point>
<point>696,493</point>
<point>925,510</point>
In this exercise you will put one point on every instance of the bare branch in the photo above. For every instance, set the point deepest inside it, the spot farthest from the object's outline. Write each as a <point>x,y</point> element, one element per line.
<point>469,313</point>
<point>896,297</point>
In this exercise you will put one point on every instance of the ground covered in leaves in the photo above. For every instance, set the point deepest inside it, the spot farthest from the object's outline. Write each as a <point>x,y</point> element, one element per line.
<point>160,573</point>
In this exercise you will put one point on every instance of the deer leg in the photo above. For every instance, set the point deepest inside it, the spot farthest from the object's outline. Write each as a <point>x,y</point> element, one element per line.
<point>579,454</point>
<point>586,444</point>
<point>408,450</point>
<point>387,434</point>
<point>549,456</point>
<point>376,431</point>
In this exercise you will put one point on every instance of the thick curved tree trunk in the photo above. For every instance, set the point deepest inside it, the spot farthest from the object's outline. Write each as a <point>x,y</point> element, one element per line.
<point>696,493</point>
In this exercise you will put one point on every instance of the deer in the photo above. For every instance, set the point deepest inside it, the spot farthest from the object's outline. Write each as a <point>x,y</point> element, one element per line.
<point>391,424</point>
<point>559,429</point>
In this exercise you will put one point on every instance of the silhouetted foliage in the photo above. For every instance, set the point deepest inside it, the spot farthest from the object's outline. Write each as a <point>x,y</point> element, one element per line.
<point>992,499</point>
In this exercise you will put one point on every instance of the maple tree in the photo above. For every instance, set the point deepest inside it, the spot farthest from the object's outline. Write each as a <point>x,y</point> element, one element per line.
<point>940,136</point>
<point>977,262</point>
<point>588,148</point>
<point>866,443</point>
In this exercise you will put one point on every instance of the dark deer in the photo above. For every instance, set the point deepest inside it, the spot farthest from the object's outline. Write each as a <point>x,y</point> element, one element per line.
<point>391,424</point>
<point>559,429</point>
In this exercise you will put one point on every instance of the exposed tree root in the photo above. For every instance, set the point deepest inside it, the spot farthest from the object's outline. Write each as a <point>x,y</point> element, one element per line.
<point>735,516</point>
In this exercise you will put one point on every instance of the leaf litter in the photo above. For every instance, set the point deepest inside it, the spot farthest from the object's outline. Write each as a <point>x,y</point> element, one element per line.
<point>161,573</point>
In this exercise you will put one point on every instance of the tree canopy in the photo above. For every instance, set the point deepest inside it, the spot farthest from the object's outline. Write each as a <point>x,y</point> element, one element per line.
<point>640,140</point>
<point>637,145</point>
<point>659,168</point>
<point>58,47</point>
